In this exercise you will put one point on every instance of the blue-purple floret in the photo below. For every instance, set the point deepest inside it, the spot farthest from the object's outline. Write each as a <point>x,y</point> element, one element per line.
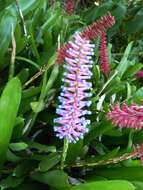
<point>75,92</point>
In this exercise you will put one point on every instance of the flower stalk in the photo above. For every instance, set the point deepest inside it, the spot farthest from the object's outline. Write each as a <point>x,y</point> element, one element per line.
<point>136,153</point>
<point>64,153</point>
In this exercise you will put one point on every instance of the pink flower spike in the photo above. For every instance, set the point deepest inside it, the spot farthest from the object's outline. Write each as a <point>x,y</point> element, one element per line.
<point>139,74</point>
<point>92,31</point>
<point>89,33</point>
<point>70,7</point>
<point>104,64</point>
<point>127,116</point>
<point>62,53</point>
<point>75,91</point>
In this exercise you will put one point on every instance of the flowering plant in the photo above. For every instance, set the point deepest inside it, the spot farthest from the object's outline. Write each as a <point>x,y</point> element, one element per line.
<point>71,105</point>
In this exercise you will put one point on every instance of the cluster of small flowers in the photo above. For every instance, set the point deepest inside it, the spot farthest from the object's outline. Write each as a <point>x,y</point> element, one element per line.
<point>89,33</point>
<point>62,53</point>
<point>73,98</point>
<point>127,116</point>
<point>101,25</point>
<point>104,64</point>
<point>77,53</point>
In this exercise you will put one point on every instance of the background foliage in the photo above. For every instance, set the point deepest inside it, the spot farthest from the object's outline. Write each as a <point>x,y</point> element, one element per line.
<point>28,146</point>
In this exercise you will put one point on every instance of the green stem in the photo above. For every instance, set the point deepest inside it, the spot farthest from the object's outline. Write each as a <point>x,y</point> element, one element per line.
<point>28,61</point>
<point>130,141</point>
<point>22,18</point>
<point>39,73</point>
<point>115,160</point>
<point>12,64</point>
<point>33,44</point>
<point>64,153</point>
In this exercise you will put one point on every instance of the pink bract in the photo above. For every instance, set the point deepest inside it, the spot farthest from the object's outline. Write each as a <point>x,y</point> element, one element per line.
<point>127,116</point>
<point>104,64</point>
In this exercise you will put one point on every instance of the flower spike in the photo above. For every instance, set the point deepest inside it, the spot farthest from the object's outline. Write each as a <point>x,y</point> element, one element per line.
<point>127,116</point>
<point>139,74</point>
<point>75,91</point>
<point>62,53</point>
<point>70,7</point>
<point>101,25</point>
<point>104,64</point>
<point>89,33</point>
<point>77,53</point>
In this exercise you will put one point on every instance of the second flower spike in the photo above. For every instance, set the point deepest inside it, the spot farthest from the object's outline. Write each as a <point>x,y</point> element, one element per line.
<point>127,116</point>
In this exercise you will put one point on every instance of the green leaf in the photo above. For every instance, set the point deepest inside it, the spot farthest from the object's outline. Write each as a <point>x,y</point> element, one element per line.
<point>50,21</point>
<point>114,132</point>
<point>131,71</point>
<point>37,106</point>
<point>29,186</point>
<point>23,75</point>
<point>114,89</point>
<point>119,13</point>
<point>18,146</point>
<point>9,104</point>
<point>49,161</point>
<point>91,14</point>
<point>129,90</point>
<point>10,156</point>
<point>18,127</point>
<point>135,25</point>
<point>10,182</point>
<point>56,178</point>
<point>24,168</point>
<point>137,96</point>
<point>19,121</point>
<point>127,173</point>
<point>98,130</point>
<point>105,185</point>
<point>32,91</point>
<point>26,6</point>
<point>74,150</point>
<point>96,73</point>
<point>7,24</point>
<point>138,185</point>
<point>107,156</point>
<point>21,40</point>
<point>5,3</point>
<point>41,147</point>
<point>124,63</point>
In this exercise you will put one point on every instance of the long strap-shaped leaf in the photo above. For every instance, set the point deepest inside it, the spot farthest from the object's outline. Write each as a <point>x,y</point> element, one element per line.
<point>9,104</point>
